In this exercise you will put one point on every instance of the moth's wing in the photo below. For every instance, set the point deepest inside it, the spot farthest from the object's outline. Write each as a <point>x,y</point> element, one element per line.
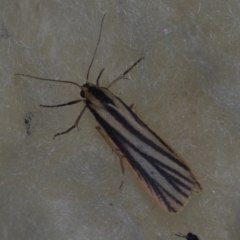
<point>163,172</point>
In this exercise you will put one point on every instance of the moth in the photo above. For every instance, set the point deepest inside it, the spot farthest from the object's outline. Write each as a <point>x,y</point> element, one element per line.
<point>160,169</point>
<point>189,236</point>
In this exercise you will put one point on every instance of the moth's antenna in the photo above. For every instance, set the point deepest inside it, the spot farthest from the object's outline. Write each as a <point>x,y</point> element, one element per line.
<point>47,79</point>
<point>96,47</point>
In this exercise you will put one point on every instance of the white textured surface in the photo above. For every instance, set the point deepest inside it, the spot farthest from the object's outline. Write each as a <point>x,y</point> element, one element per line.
<point>187,89</point>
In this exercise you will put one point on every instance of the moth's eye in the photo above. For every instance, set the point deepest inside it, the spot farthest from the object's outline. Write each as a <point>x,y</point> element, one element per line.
<point>82,94</point>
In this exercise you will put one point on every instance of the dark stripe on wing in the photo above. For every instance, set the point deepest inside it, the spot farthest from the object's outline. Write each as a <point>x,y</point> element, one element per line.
<point>171,179</point>
<point>137,119</point>
<point>147,141</point>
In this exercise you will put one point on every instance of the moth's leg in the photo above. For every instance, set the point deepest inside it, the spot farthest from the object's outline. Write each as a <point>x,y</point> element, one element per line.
<point>74,125</point>
<point>125,73</point>
<point>115,149</point>
<point>133,108</point>
<point>62,105</point>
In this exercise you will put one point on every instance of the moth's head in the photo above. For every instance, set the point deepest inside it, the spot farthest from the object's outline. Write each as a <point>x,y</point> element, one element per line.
<point>86,89</point>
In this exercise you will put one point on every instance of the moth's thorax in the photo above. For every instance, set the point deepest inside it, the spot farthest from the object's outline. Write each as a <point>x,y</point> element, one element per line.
<point>95,95</point>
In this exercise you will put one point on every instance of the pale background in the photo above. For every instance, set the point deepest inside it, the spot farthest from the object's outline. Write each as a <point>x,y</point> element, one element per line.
<point>187,89</point>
